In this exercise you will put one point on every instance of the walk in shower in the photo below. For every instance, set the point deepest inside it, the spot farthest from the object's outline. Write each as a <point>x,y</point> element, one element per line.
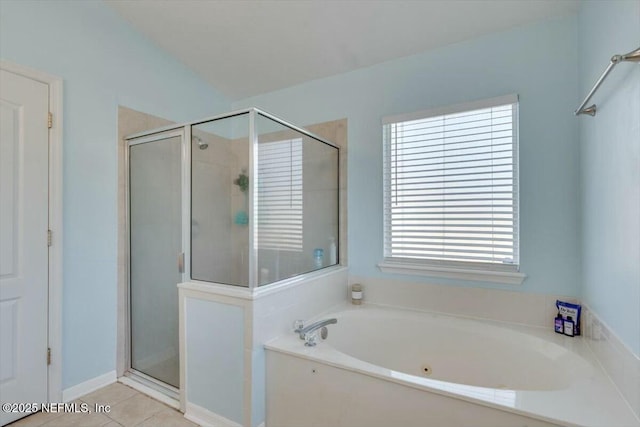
<point>242,199</point>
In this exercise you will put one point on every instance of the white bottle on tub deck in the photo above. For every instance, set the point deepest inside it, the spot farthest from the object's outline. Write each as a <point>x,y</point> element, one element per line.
<point>356,294</point>
<point>333,251</point>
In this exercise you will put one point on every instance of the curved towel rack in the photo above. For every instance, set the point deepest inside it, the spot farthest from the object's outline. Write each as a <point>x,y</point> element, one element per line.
<point>633,56</point>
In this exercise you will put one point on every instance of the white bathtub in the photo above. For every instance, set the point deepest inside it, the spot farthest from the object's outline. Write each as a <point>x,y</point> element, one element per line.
<point>388,368</point>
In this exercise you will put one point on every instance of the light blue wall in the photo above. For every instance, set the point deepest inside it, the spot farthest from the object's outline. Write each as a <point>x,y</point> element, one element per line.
<point>258,385</point>
<point>539,62</point>
<point>104,63</point>
<point>610,168</point>
<point>214,343</point>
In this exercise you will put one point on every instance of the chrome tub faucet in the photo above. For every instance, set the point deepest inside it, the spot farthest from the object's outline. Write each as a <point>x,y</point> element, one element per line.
<point>307,334</point>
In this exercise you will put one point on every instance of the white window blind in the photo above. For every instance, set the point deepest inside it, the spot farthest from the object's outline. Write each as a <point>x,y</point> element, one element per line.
<point>451,185</point>
<point>280,195</point>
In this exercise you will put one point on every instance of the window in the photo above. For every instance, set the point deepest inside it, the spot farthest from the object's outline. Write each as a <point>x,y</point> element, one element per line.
<point>280,195</point>
<point>451,190</point>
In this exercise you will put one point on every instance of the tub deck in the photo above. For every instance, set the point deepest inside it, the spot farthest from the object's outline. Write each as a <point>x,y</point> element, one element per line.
<point>588,399</point>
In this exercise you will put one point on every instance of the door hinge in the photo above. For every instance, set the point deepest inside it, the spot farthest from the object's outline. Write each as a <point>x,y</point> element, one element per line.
<point>50,120</point>
<point>48,356</point>
<point>49,238</point>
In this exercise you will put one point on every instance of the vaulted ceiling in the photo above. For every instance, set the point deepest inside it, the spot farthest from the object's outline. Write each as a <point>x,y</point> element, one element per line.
<point>244,48</point>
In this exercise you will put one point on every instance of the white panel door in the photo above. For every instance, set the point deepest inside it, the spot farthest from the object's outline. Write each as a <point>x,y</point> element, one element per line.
<point>24,182</point>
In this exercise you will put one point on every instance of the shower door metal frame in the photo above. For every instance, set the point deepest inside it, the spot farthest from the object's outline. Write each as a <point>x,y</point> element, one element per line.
<point>184,133</point>
<point>185,128</point>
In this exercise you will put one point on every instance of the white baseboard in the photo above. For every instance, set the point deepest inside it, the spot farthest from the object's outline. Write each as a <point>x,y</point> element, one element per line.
<point>206,418</point>
<point>78,390</point>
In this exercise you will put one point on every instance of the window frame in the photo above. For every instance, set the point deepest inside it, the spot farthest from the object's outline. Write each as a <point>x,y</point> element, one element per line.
<point>464,270</point>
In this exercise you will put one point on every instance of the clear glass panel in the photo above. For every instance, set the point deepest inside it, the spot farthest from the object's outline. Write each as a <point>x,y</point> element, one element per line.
<point>155,221</point>
<point>297,202</point>
<point>220,201</point>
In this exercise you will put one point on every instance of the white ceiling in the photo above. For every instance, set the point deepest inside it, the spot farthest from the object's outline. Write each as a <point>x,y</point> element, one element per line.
<point>244,48</point>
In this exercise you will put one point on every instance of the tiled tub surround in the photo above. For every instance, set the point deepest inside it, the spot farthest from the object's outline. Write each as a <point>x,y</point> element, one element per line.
<point>481,303</point>
<point>618,361</point>
<point>483,373</point>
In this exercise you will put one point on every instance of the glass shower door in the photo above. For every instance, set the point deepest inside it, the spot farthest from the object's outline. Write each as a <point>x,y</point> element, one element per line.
<point>155,221</point>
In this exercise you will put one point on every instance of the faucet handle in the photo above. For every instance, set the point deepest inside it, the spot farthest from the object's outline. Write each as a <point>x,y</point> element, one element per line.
<point>310,339</point>
<point>298,325</point>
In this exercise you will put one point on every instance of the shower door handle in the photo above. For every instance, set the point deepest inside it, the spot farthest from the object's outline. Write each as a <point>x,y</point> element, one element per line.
<point>181,262</point>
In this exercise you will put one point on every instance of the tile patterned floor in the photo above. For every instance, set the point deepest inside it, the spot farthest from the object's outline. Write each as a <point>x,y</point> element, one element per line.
<point>129,408</point>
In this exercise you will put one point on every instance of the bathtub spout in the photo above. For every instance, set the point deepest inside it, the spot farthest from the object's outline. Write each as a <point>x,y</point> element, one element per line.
<point>303,330</point>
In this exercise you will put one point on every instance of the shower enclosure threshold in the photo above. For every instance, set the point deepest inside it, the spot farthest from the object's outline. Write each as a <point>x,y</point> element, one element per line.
<point>150,386</point>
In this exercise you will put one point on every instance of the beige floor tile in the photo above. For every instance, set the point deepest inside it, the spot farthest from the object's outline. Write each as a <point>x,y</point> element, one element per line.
<point>167,418</point>
<point>128,408</point>
<point>42,418</point>
<point>79,420</point>
<point>35,420</point>
<point>132,412</point>
<point>110,395</point>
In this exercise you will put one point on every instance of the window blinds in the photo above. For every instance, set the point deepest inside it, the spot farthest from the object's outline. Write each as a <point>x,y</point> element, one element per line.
<point>451,190</point>
<point>280,195</point>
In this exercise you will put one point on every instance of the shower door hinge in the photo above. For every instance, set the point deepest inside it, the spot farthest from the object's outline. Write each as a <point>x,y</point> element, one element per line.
<point>48,356</point>
<point>49,237</point>
<point>50,120</point>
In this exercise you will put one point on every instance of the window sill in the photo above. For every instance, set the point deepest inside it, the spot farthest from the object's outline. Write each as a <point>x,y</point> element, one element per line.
<point>506,277</point>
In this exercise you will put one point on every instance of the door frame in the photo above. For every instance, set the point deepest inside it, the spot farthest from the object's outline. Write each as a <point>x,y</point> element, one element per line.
<point>54,328</point>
